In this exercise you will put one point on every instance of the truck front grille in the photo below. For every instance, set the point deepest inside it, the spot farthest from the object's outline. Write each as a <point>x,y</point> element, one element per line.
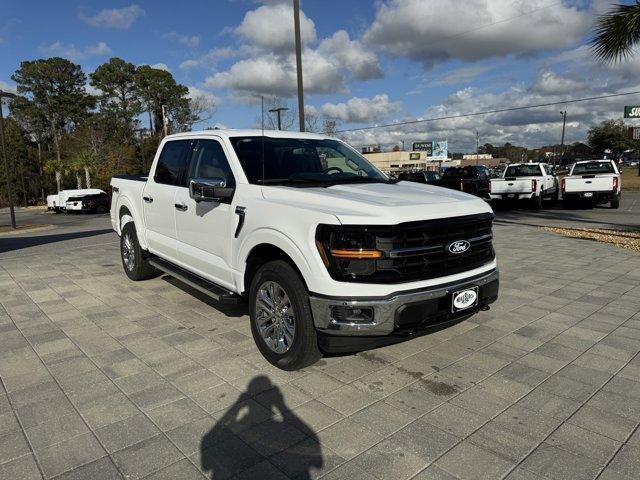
<point>411,251</point>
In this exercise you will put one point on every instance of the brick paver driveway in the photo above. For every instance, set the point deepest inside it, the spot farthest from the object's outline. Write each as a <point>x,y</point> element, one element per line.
<point>104,378</point>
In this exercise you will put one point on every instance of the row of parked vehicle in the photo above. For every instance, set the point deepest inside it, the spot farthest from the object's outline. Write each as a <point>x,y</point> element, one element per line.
<point>88,200</point>
<point>591,181</point>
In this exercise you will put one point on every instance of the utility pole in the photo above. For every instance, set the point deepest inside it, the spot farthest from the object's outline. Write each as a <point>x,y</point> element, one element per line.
<point>6,160</point>
<point>278,111</point>
<point>564,121</point>
<point>296,25</point>
<point>477,146</point>
<point>165,121</point>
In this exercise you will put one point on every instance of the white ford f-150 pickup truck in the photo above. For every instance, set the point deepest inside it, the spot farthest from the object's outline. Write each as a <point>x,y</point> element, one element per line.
<point>593,181</point>
<point>330,254</point>
<point>529,181</point>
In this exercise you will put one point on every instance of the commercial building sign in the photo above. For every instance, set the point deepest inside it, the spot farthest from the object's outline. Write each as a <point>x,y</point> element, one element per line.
<point>441,148</point>
<point>432,149</point>
<point>632,111</point>
<point>423,147</point>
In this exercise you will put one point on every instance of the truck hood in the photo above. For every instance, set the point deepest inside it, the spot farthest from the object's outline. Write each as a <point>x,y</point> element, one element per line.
<point>379,203</point>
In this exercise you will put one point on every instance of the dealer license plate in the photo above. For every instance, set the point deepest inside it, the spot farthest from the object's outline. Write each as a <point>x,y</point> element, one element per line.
<point>464,299</point>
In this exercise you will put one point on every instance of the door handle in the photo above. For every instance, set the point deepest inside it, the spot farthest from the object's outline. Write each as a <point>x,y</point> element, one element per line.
<point>180,206</point>
<point>148,199</point>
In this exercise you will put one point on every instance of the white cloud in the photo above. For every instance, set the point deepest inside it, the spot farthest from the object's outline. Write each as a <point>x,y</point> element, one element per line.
<point>91,90</point>
<point>351,54</point>
<point>207,97</point>
<point>269,66</point>
<point>207,60</point>
<point>271,27</point>
<point>121,18</point>
<point>548,82</point>
<point>276,75</point>
<point>463,75</point>
<point>189,41</point>
<point>7,87</point>
<point>70,52</point>
<point>529,127</point>
<point>161,66</point>
<point>101,48</point>
<point>438,30</point>
<point>361,110</point>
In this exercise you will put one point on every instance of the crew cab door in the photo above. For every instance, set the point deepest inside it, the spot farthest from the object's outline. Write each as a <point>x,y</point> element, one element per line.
<point>158,198</point>
<point>205,229</point>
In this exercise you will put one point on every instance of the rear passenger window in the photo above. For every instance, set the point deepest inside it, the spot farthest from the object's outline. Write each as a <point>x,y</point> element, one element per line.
<point>172,163</point>
<point>209,161</point>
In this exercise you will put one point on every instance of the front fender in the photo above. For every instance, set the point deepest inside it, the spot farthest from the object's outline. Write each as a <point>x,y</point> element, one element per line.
<point>285,243</point>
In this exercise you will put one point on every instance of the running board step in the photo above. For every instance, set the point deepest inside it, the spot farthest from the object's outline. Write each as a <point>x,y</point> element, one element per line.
<point>210,289</point>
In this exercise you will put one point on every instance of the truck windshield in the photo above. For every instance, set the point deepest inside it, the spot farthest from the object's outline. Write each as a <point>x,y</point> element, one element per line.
<point>303,162</point>
<point>523,171</point>
<point>593,168</point>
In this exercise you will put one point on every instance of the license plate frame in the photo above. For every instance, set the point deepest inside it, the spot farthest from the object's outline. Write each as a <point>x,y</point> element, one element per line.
<point>456,294</point>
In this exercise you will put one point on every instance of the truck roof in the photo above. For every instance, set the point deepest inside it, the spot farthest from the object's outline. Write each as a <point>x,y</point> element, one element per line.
<point>231,132</point>
<point>527,163</point>
<point>596,160</point>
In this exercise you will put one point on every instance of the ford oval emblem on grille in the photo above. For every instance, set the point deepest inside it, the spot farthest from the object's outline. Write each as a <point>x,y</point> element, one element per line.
<point>458,246</point>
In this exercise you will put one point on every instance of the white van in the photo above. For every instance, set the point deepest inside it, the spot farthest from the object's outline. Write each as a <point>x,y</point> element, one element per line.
<point>64,195</point>
<point>53,203</point>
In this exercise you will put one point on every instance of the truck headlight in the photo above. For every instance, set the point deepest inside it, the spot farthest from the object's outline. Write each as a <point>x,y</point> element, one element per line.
<point>347,252</point>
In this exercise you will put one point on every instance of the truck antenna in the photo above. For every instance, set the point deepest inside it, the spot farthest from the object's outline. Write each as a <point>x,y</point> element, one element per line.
<point>262,116</point>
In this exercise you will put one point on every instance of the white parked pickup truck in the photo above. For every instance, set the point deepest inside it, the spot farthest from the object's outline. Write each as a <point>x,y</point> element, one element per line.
<point>525,181</point>
<point>593,181</point>
<point>331,254</point>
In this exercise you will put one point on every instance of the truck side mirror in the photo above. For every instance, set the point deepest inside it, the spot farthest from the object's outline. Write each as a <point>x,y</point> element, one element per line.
<point>209,189</point>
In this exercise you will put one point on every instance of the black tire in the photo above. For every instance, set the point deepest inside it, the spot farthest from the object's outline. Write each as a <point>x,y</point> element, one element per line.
<point>615,202</point>
<point>102,209</point>
<point>536,202</point>
<point>303,350</point>
<point>139,268</point>
<point>567,203</point>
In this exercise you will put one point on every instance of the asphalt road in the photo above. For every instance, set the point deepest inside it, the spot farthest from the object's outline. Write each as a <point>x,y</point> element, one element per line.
<point>74,230</point>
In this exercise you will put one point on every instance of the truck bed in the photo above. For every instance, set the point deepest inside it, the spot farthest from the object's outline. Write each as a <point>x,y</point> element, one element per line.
<point>511,185</point>
<point>589,183</point>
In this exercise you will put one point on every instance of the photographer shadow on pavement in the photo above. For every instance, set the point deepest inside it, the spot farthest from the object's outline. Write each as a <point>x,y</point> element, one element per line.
<point>249,432</point>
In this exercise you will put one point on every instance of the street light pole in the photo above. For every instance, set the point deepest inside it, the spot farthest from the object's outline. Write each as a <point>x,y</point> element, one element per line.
<point>6,160</point>
<point>564,121</point>
<point>296,25</point>
<point>278,111</point>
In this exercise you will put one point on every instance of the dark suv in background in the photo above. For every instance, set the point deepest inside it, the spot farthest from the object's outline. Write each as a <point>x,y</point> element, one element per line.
<point>472,179</point>
<point>420,177</point>
<point>95,203</point>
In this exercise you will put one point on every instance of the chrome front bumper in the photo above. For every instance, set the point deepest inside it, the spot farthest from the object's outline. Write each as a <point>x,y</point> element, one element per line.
<point>386,309</point>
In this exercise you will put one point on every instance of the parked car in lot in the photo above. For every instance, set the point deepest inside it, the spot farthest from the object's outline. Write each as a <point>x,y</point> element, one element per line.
<point>331,254</point>
<point>594,182</point>
<point>421,177</point>
<point>74,205</point>
<point>65,195</point>
<point>472,179</point>
<point>96,203</point>
<point>53,203</point>
<point>532,182</point>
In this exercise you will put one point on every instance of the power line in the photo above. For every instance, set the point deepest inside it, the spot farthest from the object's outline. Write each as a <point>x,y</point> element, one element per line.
<point>487,112</point>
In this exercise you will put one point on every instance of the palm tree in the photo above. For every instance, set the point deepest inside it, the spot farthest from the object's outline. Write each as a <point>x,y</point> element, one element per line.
<point>56,167</point>
<point>86,161</point>
<point>617,33</point>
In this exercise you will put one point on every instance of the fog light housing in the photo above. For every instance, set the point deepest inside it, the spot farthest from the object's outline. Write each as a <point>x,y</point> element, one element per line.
<point>346,314</point>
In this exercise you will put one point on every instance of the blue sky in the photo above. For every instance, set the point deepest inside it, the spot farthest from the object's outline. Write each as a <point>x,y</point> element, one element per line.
<point>365,62</point>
